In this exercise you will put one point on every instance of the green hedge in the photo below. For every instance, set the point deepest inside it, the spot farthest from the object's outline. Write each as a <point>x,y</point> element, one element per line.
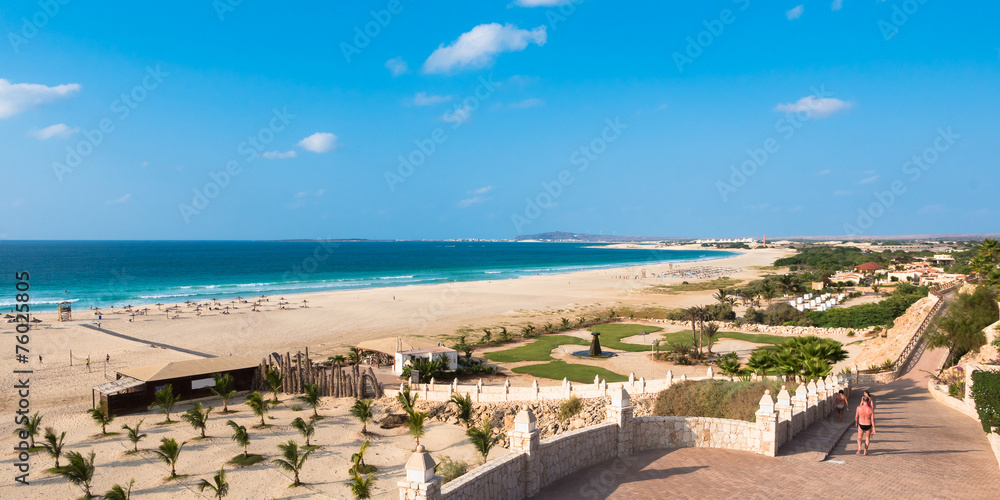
<point>986,393</point>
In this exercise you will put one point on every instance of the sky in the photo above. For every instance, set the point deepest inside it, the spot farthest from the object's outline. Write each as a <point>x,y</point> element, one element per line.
<point>431,119</point>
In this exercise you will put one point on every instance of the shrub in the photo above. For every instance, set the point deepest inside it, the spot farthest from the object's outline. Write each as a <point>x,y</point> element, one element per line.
<point>570,408</point>
<point>450,469</point>
<point>713,399</point>
<point>986,393</point>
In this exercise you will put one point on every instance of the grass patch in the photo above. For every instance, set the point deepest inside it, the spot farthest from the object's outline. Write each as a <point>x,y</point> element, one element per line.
<point>109,434</point>
<point>570,408</point>
<point>168,422</point>
<point>35,449</point>
<point>536,351</point>
<point>178,477</point>
<point>612,333</point>
<point>758,338</point>
<point>265,426</point>
<point>450,469</point>
<point>699,286</point>
<point>366,469</point>
<point>251,459</point>
<point>312,447</point>
<point>713,399</point>
<point>582,374</point>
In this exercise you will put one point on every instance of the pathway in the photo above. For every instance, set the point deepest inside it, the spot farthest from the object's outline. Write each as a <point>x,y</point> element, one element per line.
<point>923,449</point>
<point>149,342</point>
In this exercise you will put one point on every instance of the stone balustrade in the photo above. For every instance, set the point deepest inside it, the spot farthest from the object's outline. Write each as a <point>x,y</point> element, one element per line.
<point>533,464</point>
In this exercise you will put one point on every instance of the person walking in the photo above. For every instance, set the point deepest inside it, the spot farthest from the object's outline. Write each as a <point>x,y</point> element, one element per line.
<point>864,419</point>
<point>840,402</point>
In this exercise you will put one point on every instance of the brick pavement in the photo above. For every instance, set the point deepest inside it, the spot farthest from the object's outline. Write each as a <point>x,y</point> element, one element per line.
<point>923,449</point>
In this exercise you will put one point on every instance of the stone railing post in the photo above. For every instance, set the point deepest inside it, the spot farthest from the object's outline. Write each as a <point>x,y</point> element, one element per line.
<point>475,392</point>
<point>506,390</point>
<point>642,385</point>
<point>800,403</point>
<point>670,378</point>
<point>525,439</point>
<point>534,389</point>
<point>569,390</point>
<point>620,412</point>
<point>821,396</point>
<point>711,372</point>
<point>784,409</point>
<point>812,405</point>
<point>420,483</point>
<point>767,422</point>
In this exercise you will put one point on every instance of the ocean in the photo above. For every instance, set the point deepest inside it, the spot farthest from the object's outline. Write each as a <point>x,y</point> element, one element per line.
<point>105,273</point>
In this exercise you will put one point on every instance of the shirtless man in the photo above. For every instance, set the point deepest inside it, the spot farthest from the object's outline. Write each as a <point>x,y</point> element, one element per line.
<point>864,418</point>
<point>841,404</point>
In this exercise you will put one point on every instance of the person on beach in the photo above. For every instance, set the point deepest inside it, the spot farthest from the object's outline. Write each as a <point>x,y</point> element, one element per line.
<point>840,401</point>
<point>864,419</point>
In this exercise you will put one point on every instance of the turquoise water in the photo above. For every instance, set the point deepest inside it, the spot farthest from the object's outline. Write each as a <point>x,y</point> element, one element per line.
<point>105,273</point>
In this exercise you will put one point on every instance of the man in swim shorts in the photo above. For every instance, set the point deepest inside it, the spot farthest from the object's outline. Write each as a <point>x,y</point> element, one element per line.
<point>864,418</point>
<point>840,401</point>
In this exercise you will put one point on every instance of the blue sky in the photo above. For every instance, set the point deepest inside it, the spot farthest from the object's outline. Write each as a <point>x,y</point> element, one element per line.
<point>492,119</point>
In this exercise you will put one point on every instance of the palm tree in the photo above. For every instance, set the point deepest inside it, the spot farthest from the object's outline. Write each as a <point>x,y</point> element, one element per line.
<point>255,400</point>
<point>169,451</point>
<point>197,416</point>
<point>709,331</point>
<point>223,388</point>
<point>240,435</point>
<point>482,438</point>
<point>730,367</point>
<point>359,457</point>
<point>53,444</point>
<point>354,355</point>
<point>102,416</point>
<point>32,426</point>
<point>165,400</point>
<point>307,430</point>
<point>721,295</point>
<point>362,410</point>
<point>565,323</point>
<point>464,404</point>
<point>990,247</point>
<point>768,292</point>
<point>134,434</point>
<point>407,399</point>
<point>416,424</point>
<point>311,398</point>
<point>487,336</point>
<point>219,485</point>
<point>761,361</point>
<point>291,459</point>
<point>361,485</point>
<point>273,379</point>
<point>79,471</point>
<point>693,314</point>
<point>339,359</point>
<point>118,492</point>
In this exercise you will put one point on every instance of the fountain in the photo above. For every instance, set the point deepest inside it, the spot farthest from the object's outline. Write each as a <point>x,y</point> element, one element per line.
<point>595,348</point>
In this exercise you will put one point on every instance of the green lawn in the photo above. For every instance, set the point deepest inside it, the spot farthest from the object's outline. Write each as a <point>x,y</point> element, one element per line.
<point>612,333</point>
<point>759,338</point>
<point>582,374</point>
<point>536,351</point>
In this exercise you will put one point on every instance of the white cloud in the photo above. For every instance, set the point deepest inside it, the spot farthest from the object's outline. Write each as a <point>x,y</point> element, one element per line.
<point>477,197</point>
<point>422,99</point>
<point>527,103</point>
<point>58,130</point>
<point>320,142</point>
<point>868,180</point>
<point>482,190</point>
<point>661,107</point>
<point>837,5</point>
<point>794,13</point>
<point>460,115</point>
<point>397,66</point>
<point>480,46</point>
<point>814,107</point>
<point>541,3</point>
<point>320,192</point>
<point>123,199</point>
<point>278,155</point>
<point>18,97</point>
<point>824,172</point>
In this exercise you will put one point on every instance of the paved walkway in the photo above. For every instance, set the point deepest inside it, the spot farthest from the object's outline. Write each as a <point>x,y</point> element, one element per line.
<point>923,449</point>
<point>149,342</point>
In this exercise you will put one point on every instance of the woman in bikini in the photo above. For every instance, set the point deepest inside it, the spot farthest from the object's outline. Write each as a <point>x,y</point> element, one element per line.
<point>864,419</point>
<point>841,404</point>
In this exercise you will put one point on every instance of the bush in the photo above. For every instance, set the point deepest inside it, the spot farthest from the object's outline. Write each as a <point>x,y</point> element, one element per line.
<point>713,399</point>
<point>450,469</point>
<point>570,408</point>
<point>986,393</point>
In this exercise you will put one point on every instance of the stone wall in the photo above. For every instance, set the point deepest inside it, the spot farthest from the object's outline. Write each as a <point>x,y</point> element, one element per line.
<point>685,432</point>
<point>499,479</point>
<point>565,454</point>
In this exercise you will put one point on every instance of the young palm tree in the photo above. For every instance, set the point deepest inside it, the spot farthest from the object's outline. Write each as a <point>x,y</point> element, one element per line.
<point>224,389</point>
<point>361,485</point>
<point>416,424</point>
<point>79,471</point>
<point>32,426</point>
<point>169,451</point>
<point>359,457</point>
<point>311,398</point>
<point>307,430</point>
<point>464,404</point>
<point>339,359</point>
<point>119,492</point>
<point>709,331</point>
<point>354,355</point>
<point>165,400</point>
<point>273,379</point>
<point>53,444</point>
<point>240,435</point>
<point>256,402</point>
<point>219,485</point>
<point>482,438</point>
<point>407,399</point>
<point>134,434</point>
<point>362,410</point>
<point>197,416</point>
<point>291,459</point>
<point>102,416</point>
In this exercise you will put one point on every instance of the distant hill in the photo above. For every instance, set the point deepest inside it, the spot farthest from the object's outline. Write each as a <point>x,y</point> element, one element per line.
<point>590,238</point>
